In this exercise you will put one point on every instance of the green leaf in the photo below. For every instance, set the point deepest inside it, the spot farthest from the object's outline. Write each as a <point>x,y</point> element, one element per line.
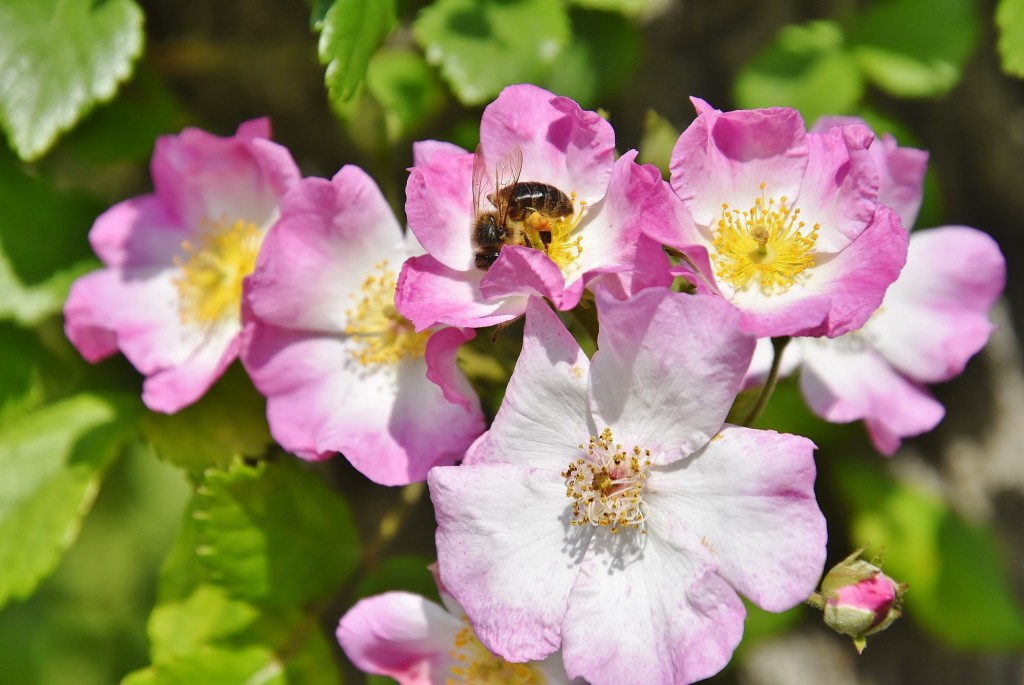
<point>199,633</point>
<point>633,8</point>
<point>407,90</point>
<point>351,31</point>
<point>228,422</point>
<point>1010,22</point>
<point>481,46</point>
<point>57,59</point>
<point>51,463</point>
<point>603,54</point>
<point>915,48</point>
<point>959,590</point>
<point>43,245</point>
<point>657,142</point>
<point>807,67</point>
<point>274,533</point>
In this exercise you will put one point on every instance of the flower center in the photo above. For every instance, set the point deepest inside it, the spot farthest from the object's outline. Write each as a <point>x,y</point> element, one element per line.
<point>766,244</point>
<point>475,665</point>
<point>384,336</point>
<point>606,484</point>
<point>210,283</point>
<point>553,235</point>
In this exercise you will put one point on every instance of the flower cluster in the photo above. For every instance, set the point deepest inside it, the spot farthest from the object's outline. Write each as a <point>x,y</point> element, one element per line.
<point>606,523</point>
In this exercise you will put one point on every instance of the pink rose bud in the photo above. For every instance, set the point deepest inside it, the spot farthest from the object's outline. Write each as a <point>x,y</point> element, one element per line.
<point>858,599</point>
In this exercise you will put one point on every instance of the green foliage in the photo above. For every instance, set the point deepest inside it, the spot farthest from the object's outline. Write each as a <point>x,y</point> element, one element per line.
<point>201,631</point>
<point>807,67</point>
<point>915,48</point>
<point>400,572</point>
<point>407,90</point>
<point>51,462</point>
<point>657,142</point>
<point>229,421</point>
<point>958,584</point>
<point>350,33</point>
<point>481,46</point>
<point>57,59</point>
<point>1010,21</point>
<point>42,243</point>
<point>636,8</point>
<point>260,526</point>
<point>603,52</point>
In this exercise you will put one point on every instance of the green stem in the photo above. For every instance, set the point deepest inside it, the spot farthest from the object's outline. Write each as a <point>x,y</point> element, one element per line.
<point>816,600</point>
<point>778,345</point>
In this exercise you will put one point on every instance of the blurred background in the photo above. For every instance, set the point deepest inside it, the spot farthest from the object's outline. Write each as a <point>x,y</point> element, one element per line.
<point>945,514</point>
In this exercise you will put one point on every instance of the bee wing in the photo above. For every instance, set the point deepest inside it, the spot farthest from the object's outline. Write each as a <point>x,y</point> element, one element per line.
<point>479,171</point>
<point>506,177</point>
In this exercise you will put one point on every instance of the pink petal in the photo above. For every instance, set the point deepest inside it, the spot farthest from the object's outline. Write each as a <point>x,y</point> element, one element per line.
<point>663,618</point>
<point>749,497</point>
<point>430,293</point>
<point>400,635</point>
<point>390,422</point>
<point>562,145</point>
<point>314,260</point>
<point>725,157</point>
<point>839,190</point>
<point>844,381</point>
<point>667,369</point>
<point>522,272</point>
<point>443,370</point>
<point>172,388</point>
<point>137,233</point>
<point>85,322</point>
<point>544,411</point>
<point>439,205</point>
<point>487,563</point>
<point>935,316</point>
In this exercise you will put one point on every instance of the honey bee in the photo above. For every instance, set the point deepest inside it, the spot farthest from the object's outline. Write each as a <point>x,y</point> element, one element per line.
<point>522,214</point>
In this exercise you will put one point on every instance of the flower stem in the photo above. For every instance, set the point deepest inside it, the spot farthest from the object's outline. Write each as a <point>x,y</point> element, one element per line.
<point>778,345</point>
<point>816,600</point>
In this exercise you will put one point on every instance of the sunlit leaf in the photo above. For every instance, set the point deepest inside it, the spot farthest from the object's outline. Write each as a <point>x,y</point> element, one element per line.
<point>58,58</point>
<point>407,90</point>
<point>915,48</point>
<point>481,46</point>
<point>260,528</point>
<point>635,8</point>
<point>807,67</point>
<point>51,462</point>
<point>1010,21</point>
<point>228,422</point>
<point>959,590</point>
<point>350,32</point>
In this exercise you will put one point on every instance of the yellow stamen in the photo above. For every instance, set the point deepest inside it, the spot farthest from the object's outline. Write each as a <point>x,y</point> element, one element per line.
<point>766,245</point>
<point>475,665</point>
<point>210,283</point>
<point>384,336</point>
<point>563,248</point>
<point>606,484</point>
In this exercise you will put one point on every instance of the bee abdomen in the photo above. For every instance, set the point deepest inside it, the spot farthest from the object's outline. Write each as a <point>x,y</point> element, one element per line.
<point>530,196</point>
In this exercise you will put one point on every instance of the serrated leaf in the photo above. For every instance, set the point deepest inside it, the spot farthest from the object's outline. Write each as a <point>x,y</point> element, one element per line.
<point>808,67</point>
<point>1010,22</point>
<point>51,463</point>
<point>959,590</point>
<point>351,31</point>
<point>57,59</point>
<point>915,48</point>
<point>407,90</point>
<point>602,54</point>
<point>43,245</point>
<point>228,422</point>
<point>274,533</point>
<point>481,46</point>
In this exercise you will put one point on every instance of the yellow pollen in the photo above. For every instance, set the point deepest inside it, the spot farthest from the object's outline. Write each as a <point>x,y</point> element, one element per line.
<point>212,269</point>
<point>562,248</point>
<point>475,665</point>
<point>767,245</point>
<point>384,336</point>
<point>606,484</point>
